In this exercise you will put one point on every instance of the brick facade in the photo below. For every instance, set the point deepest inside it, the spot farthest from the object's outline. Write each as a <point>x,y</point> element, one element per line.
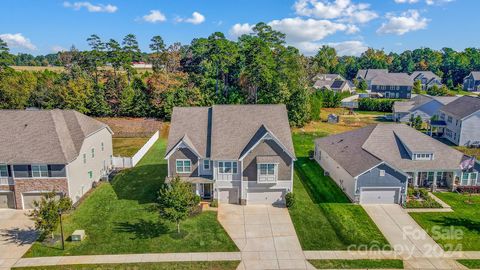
<point>43,184</point>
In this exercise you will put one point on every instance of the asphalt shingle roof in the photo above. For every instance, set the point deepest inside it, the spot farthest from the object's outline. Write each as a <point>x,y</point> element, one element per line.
<point>225,131</point>
<point>462,106</point>
<point>43,136</point>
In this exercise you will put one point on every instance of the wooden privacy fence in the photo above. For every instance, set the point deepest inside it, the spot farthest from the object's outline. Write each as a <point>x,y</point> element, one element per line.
<point>128,162</point>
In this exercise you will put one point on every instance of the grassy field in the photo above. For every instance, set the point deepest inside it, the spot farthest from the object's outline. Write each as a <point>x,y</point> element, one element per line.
<point>470,264</point>
<point>468,151</point>
<point>357,264</point>
<point>224,265</point>
<point>323,216</point>
<point>127,147</point>
<point>126,127</point>
<point>121,218</point>
<point>460,229</point>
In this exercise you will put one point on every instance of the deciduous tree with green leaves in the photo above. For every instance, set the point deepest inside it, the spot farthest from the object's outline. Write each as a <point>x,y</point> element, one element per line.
<point>46,213</point>
<point>176,201</point>
<point>417,87</point>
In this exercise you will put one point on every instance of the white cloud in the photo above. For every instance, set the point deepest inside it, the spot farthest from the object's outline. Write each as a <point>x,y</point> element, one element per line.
<point>91,7</point>
<point>241,29</point>
<point>18,41</point>
<point>57,48</point>
<point>406,1</point>
<point>352,47</point>
<point>155,16</point>
<point>299,30</point>
<point>343,10</point>
<point>407,21</point>
<point>437,2</point>
<point>197,18</point>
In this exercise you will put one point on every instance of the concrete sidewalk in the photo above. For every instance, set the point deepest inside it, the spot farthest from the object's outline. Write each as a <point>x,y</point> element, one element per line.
<point>16,236</point>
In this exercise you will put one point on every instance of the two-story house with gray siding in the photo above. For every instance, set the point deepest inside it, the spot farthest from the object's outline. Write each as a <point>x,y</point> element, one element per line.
<point>233,153</point>
<point>50,150</point>
<point>459,121</point>
<point>424,106</point>
<point>427,78</point>
<point>389,85</point>
<point>376,164</point>
<point>472,82</point>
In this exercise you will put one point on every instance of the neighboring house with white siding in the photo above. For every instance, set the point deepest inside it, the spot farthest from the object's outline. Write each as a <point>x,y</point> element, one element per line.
<point>233,153</point>
<point>334,82</point>
<point>376,164</point>
<point>50,150</point>
<point>424,106</point>
<point>459,121</point>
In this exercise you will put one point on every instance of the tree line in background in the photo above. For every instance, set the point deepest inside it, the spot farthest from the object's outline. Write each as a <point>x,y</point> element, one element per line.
<point>257,69</point>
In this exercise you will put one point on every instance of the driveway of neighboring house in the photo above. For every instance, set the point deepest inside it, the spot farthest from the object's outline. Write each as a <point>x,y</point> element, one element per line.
<point>16,236</point>
<point>403,233</point>
<point>265,236</point>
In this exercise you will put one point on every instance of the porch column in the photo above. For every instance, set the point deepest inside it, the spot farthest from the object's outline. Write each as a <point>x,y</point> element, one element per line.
<point>415,179</point>
<point>197,189</point>
<point>434,185</point>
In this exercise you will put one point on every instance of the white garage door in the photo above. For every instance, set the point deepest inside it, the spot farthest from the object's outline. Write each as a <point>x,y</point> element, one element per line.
<point>266,196</point>
<point>379,196</point>
<point>29,198</point>
<point>228,195</point>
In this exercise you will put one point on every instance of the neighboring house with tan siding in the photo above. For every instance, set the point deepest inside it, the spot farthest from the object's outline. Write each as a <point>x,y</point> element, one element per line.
<point>46,150</point>
<point>233,153</point>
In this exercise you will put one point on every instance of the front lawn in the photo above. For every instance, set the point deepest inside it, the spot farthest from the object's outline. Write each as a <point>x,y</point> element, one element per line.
<point>127,147</point>
<point>454,230</point>
<point>227,265</point>
<point>121,218</point>
<point>323,216</point>
<point>470,264</point>
<point>357,264</point>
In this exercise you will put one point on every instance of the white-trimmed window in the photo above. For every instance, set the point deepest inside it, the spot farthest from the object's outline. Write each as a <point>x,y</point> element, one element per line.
<point>103,146</point>
<point>183,165</point>
<point>267,172</point>
<point>93,152</point>
<point>84,158</point>
<point>469,179</point>
<point>3,170</point>
<point>90,174</point>
<point>206,164</point>
<point>227,167</point>
<point>39,171</point>
<point>382,172</point>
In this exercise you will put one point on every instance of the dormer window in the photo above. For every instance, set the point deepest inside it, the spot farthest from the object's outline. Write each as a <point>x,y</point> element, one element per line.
<point>423,156</point>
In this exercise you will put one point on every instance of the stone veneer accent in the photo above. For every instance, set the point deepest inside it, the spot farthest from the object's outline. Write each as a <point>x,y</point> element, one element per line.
<point>38,184</point>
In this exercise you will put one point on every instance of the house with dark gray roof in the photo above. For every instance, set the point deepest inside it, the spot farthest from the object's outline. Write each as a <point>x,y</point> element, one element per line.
<point>424,106</point>
<point>472,82</point>
<point>334,82</point>
<point>50,150</point>
<point>233,153</point>
<point>377,163</point>
<point>389,85</point>
<point>459,121</point>
<point>427,78</point>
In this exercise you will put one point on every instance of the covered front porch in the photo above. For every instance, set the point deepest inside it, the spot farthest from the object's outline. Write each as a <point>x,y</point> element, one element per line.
<point>433,179</point>
<point>436,128</point>
<point>201,185</point>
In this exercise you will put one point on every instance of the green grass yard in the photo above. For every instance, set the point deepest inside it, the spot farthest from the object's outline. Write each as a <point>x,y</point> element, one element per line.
<point>470,264</point>
<point>224,265</point>
<point>357,264</point>
<point>453,230</point>
<point>121,218</point>
<point>127,147</point>
<point>323,216</point>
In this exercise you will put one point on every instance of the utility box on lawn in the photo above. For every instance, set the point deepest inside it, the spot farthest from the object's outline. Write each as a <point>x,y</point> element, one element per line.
<point>78,235</point>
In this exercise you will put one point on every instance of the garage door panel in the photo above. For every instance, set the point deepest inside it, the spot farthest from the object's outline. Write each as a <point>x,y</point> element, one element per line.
<point>228,195</point>
<point>7,200</point>
<point>29,198</point>
<point>379,196</point>
<point>266,196</point>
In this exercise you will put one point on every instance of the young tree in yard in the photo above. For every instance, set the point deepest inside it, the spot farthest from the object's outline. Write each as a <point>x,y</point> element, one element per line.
<point>417,87</point>
<point>46,213</point>
<point>176,201</point>
<point>362,85</point>
<point>418,122</point>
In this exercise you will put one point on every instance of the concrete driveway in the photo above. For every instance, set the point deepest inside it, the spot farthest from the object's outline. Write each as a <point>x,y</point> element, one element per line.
<point>403,233</point>
<point>265,236</point>
<point>16,236</point>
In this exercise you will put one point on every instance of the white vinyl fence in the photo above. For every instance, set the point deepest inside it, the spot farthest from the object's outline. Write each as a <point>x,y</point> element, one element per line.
<point>128,162</point>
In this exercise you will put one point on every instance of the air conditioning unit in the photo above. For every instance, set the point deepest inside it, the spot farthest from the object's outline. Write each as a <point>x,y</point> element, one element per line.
<point>325,173</point>
<point>78,235</point>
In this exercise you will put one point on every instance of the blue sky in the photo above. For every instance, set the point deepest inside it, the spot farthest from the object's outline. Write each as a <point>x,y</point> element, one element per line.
<point>40,27</point>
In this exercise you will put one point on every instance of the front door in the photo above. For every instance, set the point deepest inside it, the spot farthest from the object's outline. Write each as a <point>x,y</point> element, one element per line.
<point>207,190</point>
